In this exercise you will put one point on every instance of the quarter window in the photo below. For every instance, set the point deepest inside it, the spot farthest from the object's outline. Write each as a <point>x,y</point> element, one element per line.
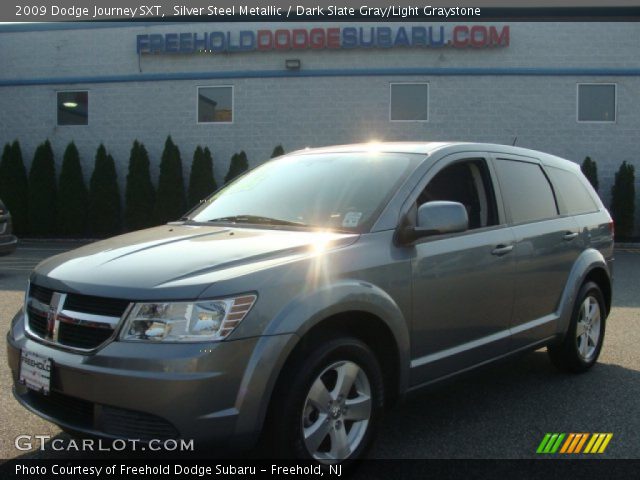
<point>596,102</point>
<point>526,191</point>
<point>73,108</point>
<point>574,194</point>
<point>215,104</point>
<point>409,102</point>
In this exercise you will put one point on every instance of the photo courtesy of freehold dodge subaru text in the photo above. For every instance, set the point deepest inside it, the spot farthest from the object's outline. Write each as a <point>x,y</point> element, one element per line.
<point>302,309</point>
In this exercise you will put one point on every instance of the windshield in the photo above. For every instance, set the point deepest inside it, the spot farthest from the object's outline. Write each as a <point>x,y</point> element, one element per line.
<point>341,191</point>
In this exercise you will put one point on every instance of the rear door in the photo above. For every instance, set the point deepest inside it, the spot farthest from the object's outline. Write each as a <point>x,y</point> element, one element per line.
<point>546,246</point>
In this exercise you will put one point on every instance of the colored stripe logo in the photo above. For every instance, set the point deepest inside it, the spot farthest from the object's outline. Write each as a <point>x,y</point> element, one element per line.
<point>574,443</point>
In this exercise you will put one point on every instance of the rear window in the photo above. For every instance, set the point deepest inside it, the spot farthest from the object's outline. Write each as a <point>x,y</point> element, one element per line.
<point>574,194</point>
<point>526,191</point>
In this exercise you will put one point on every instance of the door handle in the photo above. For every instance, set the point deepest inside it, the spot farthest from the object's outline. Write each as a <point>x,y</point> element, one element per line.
<point>570,236</point>
<point>501,250</point>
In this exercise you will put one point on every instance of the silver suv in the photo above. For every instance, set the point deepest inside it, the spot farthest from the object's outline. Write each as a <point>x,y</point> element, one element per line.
<point>314,291</point>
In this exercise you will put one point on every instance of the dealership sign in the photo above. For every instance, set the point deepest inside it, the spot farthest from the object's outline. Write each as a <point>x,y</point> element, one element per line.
<point>334,38</point>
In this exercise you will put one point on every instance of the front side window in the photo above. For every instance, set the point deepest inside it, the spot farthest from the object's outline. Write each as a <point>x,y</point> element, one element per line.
<point>341,191</point>
<point>467,182</point>
<point>526,191</point>
<point>596,102</point>
<point>215,104</point>
<point>409,102</point>
<point>73,107</point>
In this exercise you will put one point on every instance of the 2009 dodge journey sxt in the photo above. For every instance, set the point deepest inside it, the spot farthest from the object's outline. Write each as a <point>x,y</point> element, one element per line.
<point>314,291</point>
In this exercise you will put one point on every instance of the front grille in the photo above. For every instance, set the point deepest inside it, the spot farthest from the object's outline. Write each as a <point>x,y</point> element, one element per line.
<point>79,336</point>
<point>131,424</point>
<point>72,320</point>
<point>40,293</point>
<point>62,407</point>
<point>110,307</point>
<point>113,421</point>
<point>37,322</point>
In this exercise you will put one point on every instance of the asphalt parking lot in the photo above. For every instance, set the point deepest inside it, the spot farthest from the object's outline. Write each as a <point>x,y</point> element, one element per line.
<point>501,411</point>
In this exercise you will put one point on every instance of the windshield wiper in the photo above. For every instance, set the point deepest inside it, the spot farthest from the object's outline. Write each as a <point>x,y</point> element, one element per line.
<point>255,219</point>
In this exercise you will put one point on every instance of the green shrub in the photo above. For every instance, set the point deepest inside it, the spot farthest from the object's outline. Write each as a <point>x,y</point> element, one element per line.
<point>72,195</point>
<point>623,196</point>
<point>201,181</point>
<point>277,152</point>
<point>237,166</point>
<point>104,196</point>
<point>139,192</point>
<point>42,192</point>
<point>590,170</point>
<point>170,202</point>
<point>13,186</point>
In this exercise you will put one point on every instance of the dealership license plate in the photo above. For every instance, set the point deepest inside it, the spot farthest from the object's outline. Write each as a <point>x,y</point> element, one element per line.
<point>35,371</point>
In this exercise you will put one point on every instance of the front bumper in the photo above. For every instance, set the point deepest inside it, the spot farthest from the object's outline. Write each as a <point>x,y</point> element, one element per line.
<point>8,244</point>
<point>206,392</point>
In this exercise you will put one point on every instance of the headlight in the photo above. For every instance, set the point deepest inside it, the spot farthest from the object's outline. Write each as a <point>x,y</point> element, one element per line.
<point>200,321</point>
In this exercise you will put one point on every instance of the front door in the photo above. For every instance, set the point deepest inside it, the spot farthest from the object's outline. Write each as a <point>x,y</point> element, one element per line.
<point>463,284</point>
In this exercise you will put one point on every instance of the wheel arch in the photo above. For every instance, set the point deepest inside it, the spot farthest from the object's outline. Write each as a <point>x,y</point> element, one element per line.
<point>589,266</point>
<point>351,308</point>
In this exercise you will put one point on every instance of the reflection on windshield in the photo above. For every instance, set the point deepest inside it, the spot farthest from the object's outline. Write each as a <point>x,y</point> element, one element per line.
<point>342,191</point>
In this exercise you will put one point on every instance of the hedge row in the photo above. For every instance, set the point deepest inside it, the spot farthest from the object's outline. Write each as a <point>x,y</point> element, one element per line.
<point>43,206</point>
<point>623,195</point>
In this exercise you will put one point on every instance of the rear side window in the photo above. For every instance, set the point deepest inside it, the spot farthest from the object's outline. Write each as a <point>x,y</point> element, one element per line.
<point>574,194</point>
<point>526,191</point>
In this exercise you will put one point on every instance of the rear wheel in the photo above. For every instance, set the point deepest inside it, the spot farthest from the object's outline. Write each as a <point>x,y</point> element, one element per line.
<point>583,341</point>
<point>327,405</point>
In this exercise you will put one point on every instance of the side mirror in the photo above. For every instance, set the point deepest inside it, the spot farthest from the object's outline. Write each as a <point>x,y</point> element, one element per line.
<point>436,218</point>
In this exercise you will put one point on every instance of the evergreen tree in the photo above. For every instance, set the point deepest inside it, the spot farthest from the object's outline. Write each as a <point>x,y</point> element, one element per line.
<point>237,166</point>
<point>623,196</point>
<point>139,192</point>
<point>170,202</point>
<point>104,196</point>
<point>277,152</point>
<point>72,195</point>
<point>201,181</point>
<point>13,186</point>
<point>42,192</point>
<point>590,170</point>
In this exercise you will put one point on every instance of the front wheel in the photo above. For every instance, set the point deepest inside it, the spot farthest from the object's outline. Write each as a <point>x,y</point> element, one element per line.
<point>328,404</point>
<point>583,341</point>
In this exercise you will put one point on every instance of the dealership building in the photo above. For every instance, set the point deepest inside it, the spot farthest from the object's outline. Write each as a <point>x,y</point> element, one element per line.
<point>571,89</point>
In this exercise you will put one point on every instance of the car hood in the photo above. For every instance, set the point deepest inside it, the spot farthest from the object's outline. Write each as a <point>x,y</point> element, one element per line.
<point>177,261</point>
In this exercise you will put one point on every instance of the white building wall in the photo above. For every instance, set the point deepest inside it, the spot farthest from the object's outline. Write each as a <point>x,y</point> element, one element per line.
<point>312,111</point>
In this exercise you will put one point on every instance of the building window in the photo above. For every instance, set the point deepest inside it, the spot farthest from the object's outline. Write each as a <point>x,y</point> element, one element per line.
<point>215,104</point>
<point>73,108</point>
<point>409,102</point>
<point>596,102</point>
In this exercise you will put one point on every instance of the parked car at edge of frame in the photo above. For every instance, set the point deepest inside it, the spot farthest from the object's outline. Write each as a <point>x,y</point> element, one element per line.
<point>8,241</point>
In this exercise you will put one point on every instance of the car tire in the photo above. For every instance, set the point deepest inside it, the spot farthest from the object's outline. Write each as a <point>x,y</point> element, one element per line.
<point>582,343</point>
<point>328,403</point>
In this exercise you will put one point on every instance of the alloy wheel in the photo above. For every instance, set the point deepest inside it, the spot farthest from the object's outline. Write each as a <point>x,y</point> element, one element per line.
<point>588,328</point>
<point>337,412</point>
